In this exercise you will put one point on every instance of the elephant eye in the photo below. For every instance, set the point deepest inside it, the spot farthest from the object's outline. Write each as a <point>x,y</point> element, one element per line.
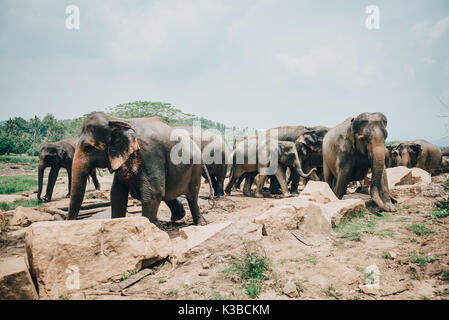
<point>89,149</point>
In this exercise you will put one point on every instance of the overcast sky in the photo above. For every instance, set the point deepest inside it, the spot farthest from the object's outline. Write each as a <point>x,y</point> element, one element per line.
<point>255,63</point>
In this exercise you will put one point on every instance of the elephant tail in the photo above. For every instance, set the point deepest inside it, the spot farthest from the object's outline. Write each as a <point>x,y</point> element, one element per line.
<point>211,189</point>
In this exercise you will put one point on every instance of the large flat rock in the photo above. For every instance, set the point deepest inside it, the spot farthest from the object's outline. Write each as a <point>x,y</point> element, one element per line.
<point>69,255</point>
<point>15,280</point>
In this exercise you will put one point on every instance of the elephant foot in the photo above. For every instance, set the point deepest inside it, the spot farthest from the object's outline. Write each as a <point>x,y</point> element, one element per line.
<point>247,193</point>
<point>286,195</point>
<point>46,199</point>
<point>258,195</point>
<point>67,196</point>
<point>275,191</point>
<point>295,192</point>
<point>98,187</point>
<point>199,221</point>
<point>178,214</point>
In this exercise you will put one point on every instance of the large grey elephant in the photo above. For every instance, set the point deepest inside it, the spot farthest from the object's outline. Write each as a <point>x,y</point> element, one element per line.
<point>247,159</point>
<point>215,155</point>
<point>420,153</point>
<point>57,155</point>
<point>147,161</point>
<point>351,149</point>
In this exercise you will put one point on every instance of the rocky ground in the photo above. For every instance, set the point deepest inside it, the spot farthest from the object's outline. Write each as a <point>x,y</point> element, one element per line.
<point>373,255</point>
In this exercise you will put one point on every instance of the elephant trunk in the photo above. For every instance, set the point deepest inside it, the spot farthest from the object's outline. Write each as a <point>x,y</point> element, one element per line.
<point>298,167</point>
<point>378,166</point>
<point>405,160</point>
<point>40,178</point>
<point>80,172</point>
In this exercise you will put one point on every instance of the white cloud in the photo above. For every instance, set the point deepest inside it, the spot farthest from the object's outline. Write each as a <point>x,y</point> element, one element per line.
<point>335,63</point>
<point>429,33</point>
<point>163,22</point>
<point>428,60</point>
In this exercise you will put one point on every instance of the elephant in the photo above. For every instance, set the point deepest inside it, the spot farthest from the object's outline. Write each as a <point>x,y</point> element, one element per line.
<point>420,153</point>
<point>353,147</point>
<point>144,155</point>
<point>213,146</point>
<point>309,142</point>
<point>391,155</point>
<point>58,155</point>
<point>281,154</point>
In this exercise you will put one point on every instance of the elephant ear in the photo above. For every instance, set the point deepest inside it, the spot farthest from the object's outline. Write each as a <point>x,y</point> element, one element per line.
<point>62,154</point>
<point>122,144</point>
<point>350,133</point>
<point>416,148</point>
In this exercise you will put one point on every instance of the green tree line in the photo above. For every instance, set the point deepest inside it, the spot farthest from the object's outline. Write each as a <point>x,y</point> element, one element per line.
<point>19,136</point>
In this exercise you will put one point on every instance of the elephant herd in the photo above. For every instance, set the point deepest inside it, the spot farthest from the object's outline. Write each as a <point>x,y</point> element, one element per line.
<point>144,156</point>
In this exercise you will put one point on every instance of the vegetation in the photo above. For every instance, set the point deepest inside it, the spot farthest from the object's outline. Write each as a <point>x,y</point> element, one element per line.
<point>442,210</point>
<point>127,274</point>
<point>16,184</point>
<point>20,136</point>
<point>251,270</point>
<point>19,159</point>
<point>421,258</point>
<point>420,230</point>
<point>7,206</point>
<point>330,292</point>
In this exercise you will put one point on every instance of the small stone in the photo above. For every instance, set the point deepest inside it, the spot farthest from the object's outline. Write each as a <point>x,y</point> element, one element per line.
<point>206,265</point>
<point>203,274</point>
<point>392,254</point>
<point>290,289</point>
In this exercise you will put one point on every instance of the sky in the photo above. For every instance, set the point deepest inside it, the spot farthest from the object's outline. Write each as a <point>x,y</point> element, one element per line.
<point>245,63</point>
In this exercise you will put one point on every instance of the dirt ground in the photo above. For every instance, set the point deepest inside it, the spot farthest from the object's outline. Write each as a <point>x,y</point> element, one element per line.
<point>330,267</point>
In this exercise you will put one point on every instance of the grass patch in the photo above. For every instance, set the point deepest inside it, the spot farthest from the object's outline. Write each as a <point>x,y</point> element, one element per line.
<point>354,228</point>
<point>330,292</point>
<point>420,230</point>
<point>16,184</point>
<point>218,296</point>
<point>7,206</point>
<point>18,159</point>
<point>30,167</point>
<point>445,276</point>
<point>127,274</point>
<point>251,269</point>
<point>172,293</point>
<point>442,210</point>
<point>311,259</point>
<point>421,258</point>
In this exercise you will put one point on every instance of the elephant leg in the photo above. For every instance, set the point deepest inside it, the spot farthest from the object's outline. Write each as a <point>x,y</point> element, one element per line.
<point>248,183</point>
<point>220,177</point>
<point>236,174</point>
<point>119,199</point>
<point>327,175</point>
<point>274,186</point>
<point>280,176</point>
<point>213,179</point>
<point>194,209</point>
<point>260,184</point>
<point>177,209</point>
<point>342,182</point>
<point>385,194</point>
<point>51,183</point>
<point>238,183</point>
<point>93,175</point>
<point>294,177</point>
<point>150,208</point>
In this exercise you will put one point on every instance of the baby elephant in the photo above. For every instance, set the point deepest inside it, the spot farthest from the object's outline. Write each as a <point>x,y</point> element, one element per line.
<point>264,156</point>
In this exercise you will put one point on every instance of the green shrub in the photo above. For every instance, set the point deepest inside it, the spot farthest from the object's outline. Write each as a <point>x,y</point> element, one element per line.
<point>7,206</point>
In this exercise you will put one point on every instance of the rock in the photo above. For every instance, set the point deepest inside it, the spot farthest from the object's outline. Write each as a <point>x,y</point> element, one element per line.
<point>26,216</point>
<point>365,197</point>
<point>392,254</point>
<point>205,265</point>
<point>434,268</point>
<point>286,217</point>
<point>216,237</point>
<point>18,234</point>
<point>70,255</point>
<point>399,176</point>
<point>342,210</point>
<point>433,190</point>
<point>290,289</point>
<point>420,176</point>
<point>15,280</point>
<point>372,280</point>
<point>318,191</point>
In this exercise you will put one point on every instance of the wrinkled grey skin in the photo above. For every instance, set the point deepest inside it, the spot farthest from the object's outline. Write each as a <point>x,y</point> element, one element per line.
<point>138,152</point>
<point>58,155</point>
<point>309,143</point>
<point>420,153</point>
<point>287,156</point>
<point>351,149</point>
<point>217,169</point>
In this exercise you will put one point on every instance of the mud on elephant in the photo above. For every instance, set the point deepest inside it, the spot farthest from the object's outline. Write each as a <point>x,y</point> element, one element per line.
<point>351,149</point>
<point>58,155</point>
<point>140,153</point>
